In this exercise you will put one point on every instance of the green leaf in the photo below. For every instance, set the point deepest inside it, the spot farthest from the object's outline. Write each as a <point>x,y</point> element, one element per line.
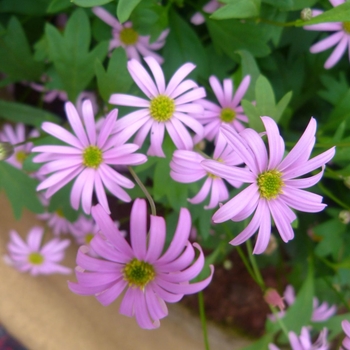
<point>124,9</point>
<point>22,113</point>
<point>58,6</point>
<point>20,190</point>
<point>31,8</point>
<point>282,105</point>
<point>90,3</point>
<point>262,343</point>
<point>70,53</point>
<point>253,115</point>
<point>183,45</point>
<point>232,35</point>
<point>16,58</point>
<point>339,13</point>
<point>117,78</point>
<point>265,97</point>
<point>238,9</point>
<point>248,67</point>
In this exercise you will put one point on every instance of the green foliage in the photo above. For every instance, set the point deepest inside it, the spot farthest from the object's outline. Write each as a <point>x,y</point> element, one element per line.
<point>124,9</point>
<point>16,58</point>
<point>20,190</point>
<point>237,9</point>
<point>91,3</point>
<point>22,113</point>
<point>58,5</point>
<point>183,40</point>
<point>231,35</point>
<point>117,78</point>
<point>265,104</point>
<point>70,53</point>
<point>31,8</point>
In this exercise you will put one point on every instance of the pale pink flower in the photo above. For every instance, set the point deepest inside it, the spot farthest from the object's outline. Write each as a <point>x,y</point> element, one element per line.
<point>340,39</point>
<point>274,183</point>
<point>320,313</point>
<point>228,111</point>
<point>85,229</point>
<point>89,158</point>
<point>346,328</point>
<point>304,341</point>
<point>57,222</point>
<point>149,277</point>
<point>31,257</point>
<point>210,7</point>
<point>166,107</point>
<point>186,167</point>
<point>134,44</point>
<point>14,135</point>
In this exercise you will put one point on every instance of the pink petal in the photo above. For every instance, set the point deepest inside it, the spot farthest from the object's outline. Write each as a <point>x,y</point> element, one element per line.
<point>77,189</point>
<point>101,193</point>
<point>190,96</point>
<point>182,87</point>
<point>86,197</point>
<point>327,42</point>
<point>157,233</point>
<point>157,73</point>
<point>106,128</point>
<point>240,92</point>
<point>89,121</point>
<point>177,78</point>
<point>106,17</point>
<point>127,100</point>
<point>338,52</point>
<point>55,149</point>
<point>157,137</point>
<point>217,89</point>
<point>203,193</point>
<point>155,305</point>
<point>282,222</point>
<point>179,134</point>
<point>138,228</point>
<point>75,123</point>
<point>34,238</point>
<point>190,122</point>
<point>112,293</point>
<point>264,229</point>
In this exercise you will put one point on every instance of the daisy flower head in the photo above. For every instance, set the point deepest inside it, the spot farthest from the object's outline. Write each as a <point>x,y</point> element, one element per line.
<point>149,276</point>
<point>134,44</point>
<point>346,328</point>
<point>304,342</point>
<point>88,159</point>
<point>186,167</point>
<point>14,135</point>
<point>274,183</point>
<point>166,107</point>
<point>340,38</point>
<point>30,256</point>
<point>228,111</point>
<point>209,7</point>
<point>57,222</point>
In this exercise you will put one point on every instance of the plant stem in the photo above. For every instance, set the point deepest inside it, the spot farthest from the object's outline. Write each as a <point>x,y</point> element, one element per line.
<point>144,190</point>
<point>333,197</point>
<point>246,263</point>
<point>259,279</point>
<point>203,320</point>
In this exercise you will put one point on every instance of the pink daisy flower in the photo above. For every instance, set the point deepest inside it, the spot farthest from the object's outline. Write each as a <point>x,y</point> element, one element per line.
<point>30,256</point>
<point>274,183</point>
<point>17,134</point>
<point>186,167</point>
<point>89,158</point>
<point>346,342</point>
<point>210,7</point>
<point>304,342</point>
<point>149,277</point>
<point>167,107</point>
<point>228,111</point>
<point>340,39</point>
<point>57,222</point>
<point>320,313</point>
<point>85,229</point>
<point>124,35</point>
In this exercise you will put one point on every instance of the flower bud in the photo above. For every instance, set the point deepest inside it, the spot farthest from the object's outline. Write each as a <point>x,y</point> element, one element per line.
<point>344,216</point>
<point>272,297</point>
<point>306,14</point>
<point>6,150</point>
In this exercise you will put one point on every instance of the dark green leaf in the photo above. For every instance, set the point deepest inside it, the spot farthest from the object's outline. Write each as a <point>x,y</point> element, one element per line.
<point>20,190</point>
<point>22,113</point>
<point>32,7</point>
<point>237,9</point>
<point>70,53</point>
<point>117,78</point>
<point>183,45</point>
<point>58,6</point>
<point>232,35</point>
<point>16,58</point>
<point>90,3</point>
<point>124,9</point>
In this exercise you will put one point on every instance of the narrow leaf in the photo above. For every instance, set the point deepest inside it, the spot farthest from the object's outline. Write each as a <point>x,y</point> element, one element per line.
<point>124,9</point>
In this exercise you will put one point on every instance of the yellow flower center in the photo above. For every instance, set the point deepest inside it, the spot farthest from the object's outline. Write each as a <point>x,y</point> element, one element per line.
<point>138,273</point>
<point>346,27</point>
<point>21,156</point>
<point>92,157</point>
<point>59,212</point>
<point>162,108</point>
<point>89,237</point>
<point>35,258</point>
<point>270,184</point>
<point>128,36</point>
<point>227,115</point>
